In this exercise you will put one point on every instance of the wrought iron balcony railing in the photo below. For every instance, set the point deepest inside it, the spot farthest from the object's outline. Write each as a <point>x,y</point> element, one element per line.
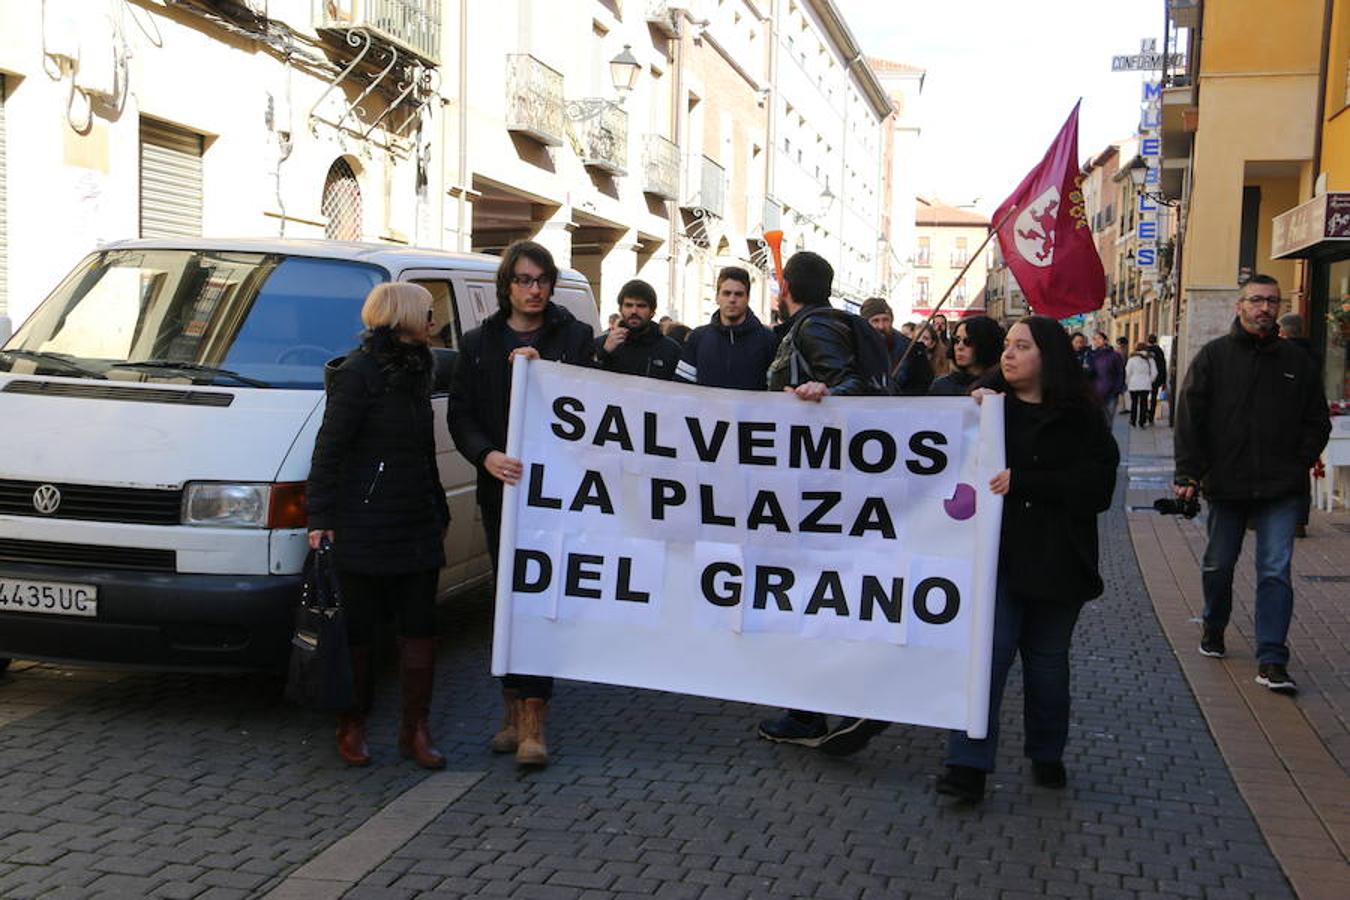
<point>412,25</point>
<point>534,100</point>
<point>603,140</point>
<point>660,167</point>
<point>661,16</point>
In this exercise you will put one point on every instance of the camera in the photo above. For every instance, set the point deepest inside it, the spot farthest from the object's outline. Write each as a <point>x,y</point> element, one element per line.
<point>1171,506</point>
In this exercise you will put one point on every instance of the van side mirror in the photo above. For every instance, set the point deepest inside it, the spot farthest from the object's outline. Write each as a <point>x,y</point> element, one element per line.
<point>443,371</point>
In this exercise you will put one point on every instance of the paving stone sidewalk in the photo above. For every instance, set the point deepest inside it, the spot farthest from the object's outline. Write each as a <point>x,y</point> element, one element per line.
<point>179,786</point>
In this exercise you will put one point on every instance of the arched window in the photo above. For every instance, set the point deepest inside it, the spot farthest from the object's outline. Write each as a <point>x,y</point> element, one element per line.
<point>342,203</point>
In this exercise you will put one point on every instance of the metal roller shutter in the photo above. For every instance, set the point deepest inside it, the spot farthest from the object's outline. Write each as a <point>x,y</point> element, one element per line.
<point>4,215</point>
<point>171,180</point>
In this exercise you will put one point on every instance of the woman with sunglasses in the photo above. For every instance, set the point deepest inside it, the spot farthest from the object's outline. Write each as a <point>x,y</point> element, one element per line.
<point>1061,472</point>
<point>977,343</point>
<point>375,493</point>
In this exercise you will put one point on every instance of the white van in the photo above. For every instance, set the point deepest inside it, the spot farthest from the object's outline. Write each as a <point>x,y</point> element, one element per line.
<point>157,416</point>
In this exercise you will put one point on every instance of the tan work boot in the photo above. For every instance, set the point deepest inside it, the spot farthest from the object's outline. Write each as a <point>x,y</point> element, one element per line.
<point>504,741</point>
<point>531,749</point>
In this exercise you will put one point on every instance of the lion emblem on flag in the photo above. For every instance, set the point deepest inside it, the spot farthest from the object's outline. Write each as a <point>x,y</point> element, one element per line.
<point>1034,230</point>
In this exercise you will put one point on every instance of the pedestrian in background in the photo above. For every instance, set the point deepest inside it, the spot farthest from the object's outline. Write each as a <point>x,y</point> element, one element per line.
<point>1251,421</point>
<point>679,333</point>
<point>935,349</point>
<point>878,314</point>
<point>1108,375</point>
<point>977,343</point>
<point>1291,329</point>
<point>1061,473</point>
<point>527,324</point>
<point>636,346</point>
<point>1140,373</point>
<point>375,492</point>
<point>1155,352</point>
<point>734,349</point>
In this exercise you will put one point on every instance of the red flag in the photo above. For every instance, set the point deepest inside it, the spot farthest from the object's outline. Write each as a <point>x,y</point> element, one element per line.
<point>1044,235</point>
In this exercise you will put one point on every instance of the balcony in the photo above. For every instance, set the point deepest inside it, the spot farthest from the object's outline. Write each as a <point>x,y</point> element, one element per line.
<point>959,258</point>
<point>711,182</point>
<point>604,140</point>
<point>661,16</point>
<point>772,216</point>
<point>660,167</point>
<point>1185,13</point>
<point>534,100</point>
<point>923,259</point>
<point>411,25</point>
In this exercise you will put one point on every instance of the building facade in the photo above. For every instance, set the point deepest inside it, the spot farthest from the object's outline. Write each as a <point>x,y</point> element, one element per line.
<point>656,139</point>
<point>946,238</point>
<point>900,181</point>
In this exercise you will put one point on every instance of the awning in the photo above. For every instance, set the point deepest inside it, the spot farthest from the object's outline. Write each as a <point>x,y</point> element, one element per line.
<point>1309,228</point>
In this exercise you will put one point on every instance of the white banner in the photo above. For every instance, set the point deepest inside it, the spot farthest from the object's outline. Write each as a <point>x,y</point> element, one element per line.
<point>836,556</point>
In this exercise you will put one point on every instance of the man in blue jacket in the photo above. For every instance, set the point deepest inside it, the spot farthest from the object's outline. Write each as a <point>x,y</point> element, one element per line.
<point>734,349</point>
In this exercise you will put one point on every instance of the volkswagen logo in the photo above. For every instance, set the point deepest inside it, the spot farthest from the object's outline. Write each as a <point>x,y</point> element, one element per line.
<point>46,499</point>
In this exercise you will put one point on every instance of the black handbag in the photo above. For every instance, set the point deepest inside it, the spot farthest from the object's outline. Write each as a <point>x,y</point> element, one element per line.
<point>320,676</point>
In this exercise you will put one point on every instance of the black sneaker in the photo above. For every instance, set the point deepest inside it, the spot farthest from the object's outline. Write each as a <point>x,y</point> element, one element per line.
<point>851,735</point>
<point>1276,677</point>
<point>1211,642</point>
<point>801,728</point>
<point>1049,774</point>
<point>964,783</point>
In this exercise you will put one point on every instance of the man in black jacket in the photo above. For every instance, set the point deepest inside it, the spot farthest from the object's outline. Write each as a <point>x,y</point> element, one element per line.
<point>1159,358</point>
<point>527,324</point>
<point>635,344</point>
<point>818,357</point>
<point>734,349</point>
<point>1251,420</point>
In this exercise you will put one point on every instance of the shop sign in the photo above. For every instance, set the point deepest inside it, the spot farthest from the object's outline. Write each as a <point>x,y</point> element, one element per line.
<point>1325,217</point>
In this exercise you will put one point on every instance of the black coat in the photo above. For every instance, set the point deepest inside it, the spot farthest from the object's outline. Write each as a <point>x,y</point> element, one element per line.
<point>373,477</point>
<point>1063,464</point>
<point>645,352</point>
<point>1251,418</point>
<point>818,346</point>
<point>954,384</point>
<point>480,394</point>
<point>735,357</point>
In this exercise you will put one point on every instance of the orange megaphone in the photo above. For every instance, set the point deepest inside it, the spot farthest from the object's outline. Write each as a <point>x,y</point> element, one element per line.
<point>775,241</point>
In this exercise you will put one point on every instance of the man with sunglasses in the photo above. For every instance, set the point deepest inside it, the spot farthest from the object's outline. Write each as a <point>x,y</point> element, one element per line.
<point>1251,420</point>
<point>527,324</point>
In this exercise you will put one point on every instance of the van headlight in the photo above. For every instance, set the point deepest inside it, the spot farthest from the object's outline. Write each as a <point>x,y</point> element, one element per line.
<point>274,505</point>
<point>226,505</point>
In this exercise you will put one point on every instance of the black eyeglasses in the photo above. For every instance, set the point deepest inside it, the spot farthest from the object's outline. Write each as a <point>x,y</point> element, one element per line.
<point>526,281</point>
<point>963,341</point>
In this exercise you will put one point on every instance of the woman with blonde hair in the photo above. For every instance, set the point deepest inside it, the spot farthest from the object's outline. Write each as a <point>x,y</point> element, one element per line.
<point>374,492</point>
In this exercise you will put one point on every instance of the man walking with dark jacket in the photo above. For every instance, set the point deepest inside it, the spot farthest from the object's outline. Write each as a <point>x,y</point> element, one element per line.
<point>527,324</point>
<point>1251,420</point>
<point>1107,375</point>
<point>734,349</point>
<point>818,357</point>
<point>1159,378</point>
<point>635,345</point>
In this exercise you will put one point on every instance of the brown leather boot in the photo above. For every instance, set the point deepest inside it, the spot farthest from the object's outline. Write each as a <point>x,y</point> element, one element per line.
<point>532,749</point>
<point>504,741</point>
<point>351,728</point>
<point>417,660</point>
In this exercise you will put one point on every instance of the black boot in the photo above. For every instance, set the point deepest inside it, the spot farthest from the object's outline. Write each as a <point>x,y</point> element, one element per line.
<point>964,783</point>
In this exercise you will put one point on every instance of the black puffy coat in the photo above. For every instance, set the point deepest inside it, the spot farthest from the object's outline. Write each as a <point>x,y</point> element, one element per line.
<point>373,477</point>
<point>818,346</point>
<point>480,395</point>
<point>716,355</point>
<point>1063,463</point>
<point>1251,418</point>
<point>954,384</point>
<point>646,352</point>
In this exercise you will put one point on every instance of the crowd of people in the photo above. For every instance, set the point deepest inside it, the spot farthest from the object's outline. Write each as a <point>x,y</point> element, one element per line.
<point>374,490</point>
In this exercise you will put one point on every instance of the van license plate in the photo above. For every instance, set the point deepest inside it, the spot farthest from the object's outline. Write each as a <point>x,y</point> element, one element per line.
<point>56,598</point>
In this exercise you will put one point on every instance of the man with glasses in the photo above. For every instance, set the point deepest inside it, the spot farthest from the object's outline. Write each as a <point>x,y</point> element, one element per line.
<point>527,324</point>
<point>1251,420</point>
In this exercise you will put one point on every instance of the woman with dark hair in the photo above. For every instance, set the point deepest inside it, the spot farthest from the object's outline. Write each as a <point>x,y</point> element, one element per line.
<point>975,348</point>
<point>374,492</point>
<point>527,324</point>
<point>1061,472</point>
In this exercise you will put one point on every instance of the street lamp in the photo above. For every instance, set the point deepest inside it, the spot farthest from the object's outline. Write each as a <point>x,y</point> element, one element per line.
<point>1138,172</point>
<point>623,74</point>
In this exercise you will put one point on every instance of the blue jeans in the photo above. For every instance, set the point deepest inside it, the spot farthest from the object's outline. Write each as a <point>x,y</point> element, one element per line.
<point>1274,521</point>
<point>1040,630</point>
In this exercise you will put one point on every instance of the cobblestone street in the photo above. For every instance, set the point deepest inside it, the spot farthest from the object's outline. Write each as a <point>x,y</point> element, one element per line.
<point>125,785</point>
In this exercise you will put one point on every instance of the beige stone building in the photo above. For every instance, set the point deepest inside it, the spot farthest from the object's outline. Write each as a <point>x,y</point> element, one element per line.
<point>945,239</point>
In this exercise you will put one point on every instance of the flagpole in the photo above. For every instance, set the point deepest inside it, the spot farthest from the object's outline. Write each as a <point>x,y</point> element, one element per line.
<point>962,274</point>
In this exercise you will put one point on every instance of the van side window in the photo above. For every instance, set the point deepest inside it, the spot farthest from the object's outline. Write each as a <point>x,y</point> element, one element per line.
<point>444,325</point>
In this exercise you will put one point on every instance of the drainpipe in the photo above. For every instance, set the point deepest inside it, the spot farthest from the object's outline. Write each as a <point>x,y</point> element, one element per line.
<point>679,121</point>
<point>463,174</point>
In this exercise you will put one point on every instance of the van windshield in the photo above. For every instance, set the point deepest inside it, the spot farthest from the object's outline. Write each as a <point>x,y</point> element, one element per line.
<point>199,316</point>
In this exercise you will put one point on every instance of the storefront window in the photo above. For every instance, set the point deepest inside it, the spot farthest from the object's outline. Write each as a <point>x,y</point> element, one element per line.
<point>1338,330</point>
